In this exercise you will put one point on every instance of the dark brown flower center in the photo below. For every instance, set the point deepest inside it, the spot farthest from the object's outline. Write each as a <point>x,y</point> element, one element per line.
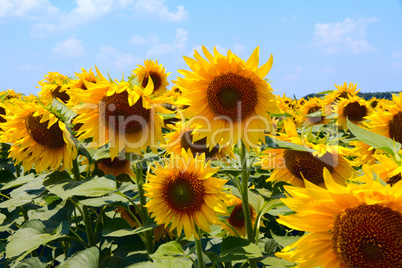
<point>184,193</point>
<point>315,119</point>
<point>156,79</point>
<point>395,127</point>
<point>374,103</point>
<point>343,95</point>
<point>369,236</point>
<point>62,95</point>
<point>305,165</point>
<point>197,147</point>
<point>124,118</point>
<point>232,95</point>
<point>115,163</point>
<point>355,112</point>
<point>2,112</point>
<point>236,218</point>
<point>394,179</point>
<point>50,137</point>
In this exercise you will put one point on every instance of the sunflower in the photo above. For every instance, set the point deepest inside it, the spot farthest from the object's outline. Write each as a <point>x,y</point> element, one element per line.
<point>184,193</point>
<point>228,97</point>
<point>310,106</point>
<point>363,153</point>
<point>156,72</point>
<point>120,115</point>
<point>84,77</point>
<point>294,166</point>
<point>344,91</point>
<point>54,86</point>
<point>387,122</point>
<point>116,167</point>
<point>182,137</point>
<point>38,138</point>
<point>354,108</point>
<point>387,169</point>
<point>9,95</point>
<point>357,225</point>
<point>236,218</point>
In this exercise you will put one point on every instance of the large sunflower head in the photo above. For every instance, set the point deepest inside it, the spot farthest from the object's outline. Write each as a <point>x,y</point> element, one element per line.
<point>56,86</point>
<point>387,122</point>
<point>229,97</point>
<point>183,193</point>
<point>295,167</point>
<point>38,138</point>
<point>357,225</point>
<point>152,71</point>
<point>354,108</point>
<point>120,115</point>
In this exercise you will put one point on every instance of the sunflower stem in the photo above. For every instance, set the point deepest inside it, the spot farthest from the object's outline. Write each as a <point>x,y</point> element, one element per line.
<point>88,226</point>
<point>76,170</point>
<point>144,212</point>
<point>245,173</point>
<point>198,247</point>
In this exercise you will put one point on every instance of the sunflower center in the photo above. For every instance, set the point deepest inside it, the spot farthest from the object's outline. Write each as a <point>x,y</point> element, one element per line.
<point>342,95</point>
<point>50,137</point>
<point>185,193</point>
<point>123,117</point>
<point>315,119</point>
<point>156,79</point>
<point>2,112</point>
<point>374,103</point>
<point>395,127</point>
<point>115,163</point>
<point>354,111</point>
<point>232,95</point>
<point>369,236</point>
<point>394,179</point>
<point>62,95</point>
<point>197,147</point>
<point>305,165</point>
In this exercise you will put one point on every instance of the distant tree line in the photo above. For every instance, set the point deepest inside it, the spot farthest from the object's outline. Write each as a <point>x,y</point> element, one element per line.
<point>366,96</point>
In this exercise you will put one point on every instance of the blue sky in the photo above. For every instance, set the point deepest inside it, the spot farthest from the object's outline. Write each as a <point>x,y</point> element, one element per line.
<point>315,44</point>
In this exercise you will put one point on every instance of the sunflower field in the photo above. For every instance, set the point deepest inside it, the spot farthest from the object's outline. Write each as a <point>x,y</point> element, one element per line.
<point>209,170</point>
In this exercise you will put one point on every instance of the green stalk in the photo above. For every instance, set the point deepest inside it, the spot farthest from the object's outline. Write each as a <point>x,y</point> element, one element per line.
<point>76,170</point>
<point>88,227</point>
<point>198,247</point>
<point>245,174</point>
<point>148,235</point>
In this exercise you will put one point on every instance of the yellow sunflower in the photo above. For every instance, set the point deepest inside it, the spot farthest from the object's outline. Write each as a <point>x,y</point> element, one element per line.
<point>354,108</point>
<point>183,193</point>
<point>387,122</point>
<point>228,97</point>
<point>182,137</point>
<point>236,218</point>
<point>120,115</point>
<point>294,166</point>
<point>357,225</point>
<point>38,138</point>
<point>310,106</point>
<point>363,153</point>
<point>344,91</point>
<point>116,167</point>
<point>156,72</point>
<point>84,77</point>
<point>54,86</point>
<point>9,95</point>
<point>387,169</point>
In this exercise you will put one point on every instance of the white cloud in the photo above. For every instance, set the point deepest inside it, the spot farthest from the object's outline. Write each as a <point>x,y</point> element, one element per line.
<point>110,56</point>
<point>70,48</point>
<point>347,35</point>
<point>30,9</point>
<point>158,48</point>
<point>158,8</point>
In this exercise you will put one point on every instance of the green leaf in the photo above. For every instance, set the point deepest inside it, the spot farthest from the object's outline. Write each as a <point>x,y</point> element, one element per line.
<point>103,201</point>
<point>16,181</point>
<point>279,144</point>
<point>285,241</point>
<point>236,248</point>
<point>374,140</point>
<point>164,263</point>
<point>118,227</point>
<point>276,262</point>
<point>88,258</point>
<point>30,263</point>
<point>32,235</point>
<point>6,177</point>
<point>169,250</point>
<point>2,218</point>
<point>62,185</point>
